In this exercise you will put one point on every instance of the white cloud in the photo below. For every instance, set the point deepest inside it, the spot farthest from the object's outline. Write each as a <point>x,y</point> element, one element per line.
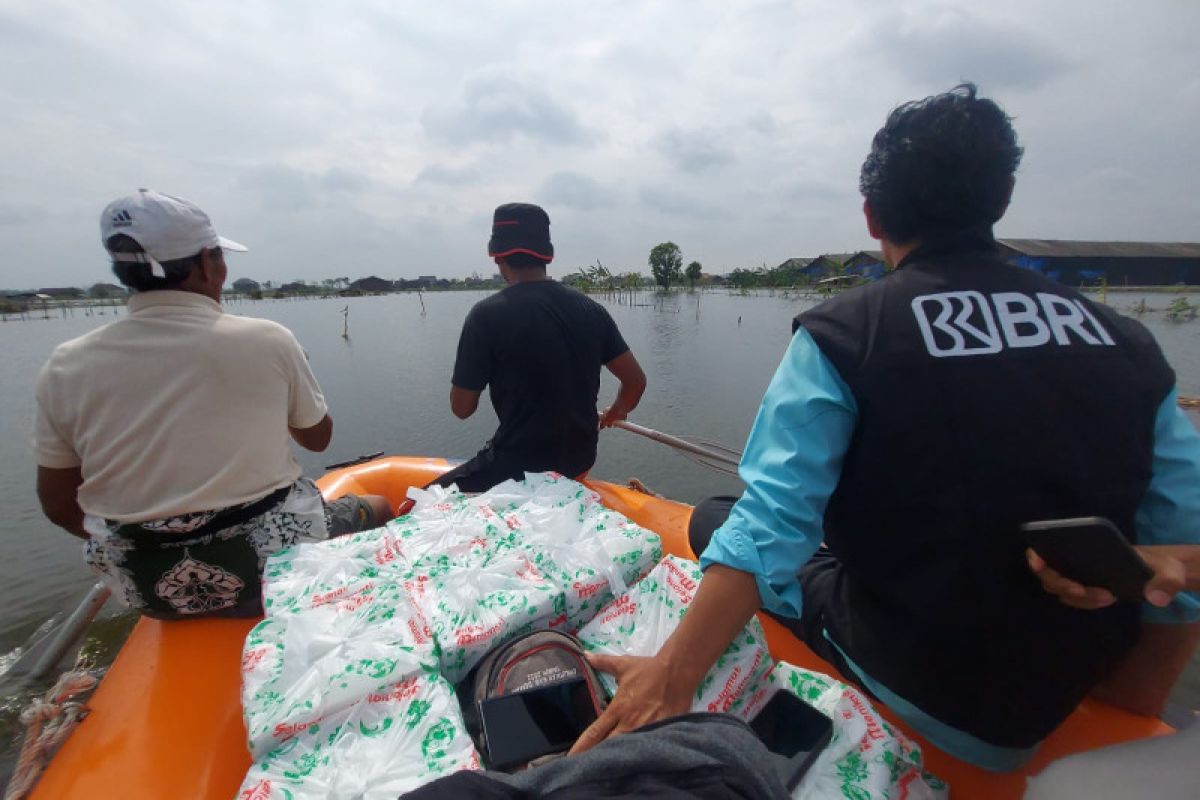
<point>378,136</point>
<point>496,108</point>
<point>574,190</point>
<point>694,151</point>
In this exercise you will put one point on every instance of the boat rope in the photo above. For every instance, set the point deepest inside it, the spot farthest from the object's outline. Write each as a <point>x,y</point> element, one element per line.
<point>48,721</point>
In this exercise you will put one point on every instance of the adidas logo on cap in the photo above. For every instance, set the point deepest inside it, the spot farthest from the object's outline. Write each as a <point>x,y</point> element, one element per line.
<point>122,219</point>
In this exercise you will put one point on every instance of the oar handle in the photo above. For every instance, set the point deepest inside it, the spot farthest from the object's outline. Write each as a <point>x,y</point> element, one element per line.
<point>676,442</point>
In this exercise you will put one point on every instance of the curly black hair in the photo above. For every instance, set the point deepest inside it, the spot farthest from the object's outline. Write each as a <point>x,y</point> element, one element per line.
<point>940,165</point>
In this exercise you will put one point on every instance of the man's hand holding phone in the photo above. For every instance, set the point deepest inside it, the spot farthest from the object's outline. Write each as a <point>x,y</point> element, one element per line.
<point>1169,578</point>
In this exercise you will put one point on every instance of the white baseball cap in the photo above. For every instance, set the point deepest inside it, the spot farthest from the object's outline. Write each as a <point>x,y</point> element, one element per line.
<point>166,227</point>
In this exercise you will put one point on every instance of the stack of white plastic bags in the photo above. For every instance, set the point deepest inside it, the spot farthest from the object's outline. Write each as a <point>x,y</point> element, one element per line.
<point>348,682</point>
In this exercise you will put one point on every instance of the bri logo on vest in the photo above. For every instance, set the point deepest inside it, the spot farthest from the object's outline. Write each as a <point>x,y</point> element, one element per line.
<point>970,323</point>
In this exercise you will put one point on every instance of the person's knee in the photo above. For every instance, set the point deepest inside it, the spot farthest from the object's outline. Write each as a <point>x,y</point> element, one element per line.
<point>708,515</point>
<point>352,513</point>
<point>381,508</point>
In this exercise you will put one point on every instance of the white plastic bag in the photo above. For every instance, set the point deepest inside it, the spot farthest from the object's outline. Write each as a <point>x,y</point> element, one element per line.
<point>867,758</point>
<point>351,620</point>
<point>301,667</point>
<point>390,742</point>
<point>640,621</point>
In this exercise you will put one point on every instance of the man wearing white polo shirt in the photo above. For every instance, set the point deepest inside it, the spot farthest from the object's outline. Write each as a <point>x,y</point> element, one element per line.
<point>163,438</point>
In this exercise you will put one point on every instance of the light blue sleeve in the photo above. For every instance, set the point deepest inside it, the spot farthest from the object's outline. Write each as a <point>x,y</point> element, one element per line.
<point>791,466</point>
<point>1170,511</point>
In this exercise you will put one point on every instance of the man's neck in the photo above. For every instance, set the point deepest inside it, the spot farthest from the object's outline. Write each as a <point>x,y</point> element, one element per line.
<point>527,275</point>
<point>894,253</point>
<point>214,295</point>
<point>201,287</point>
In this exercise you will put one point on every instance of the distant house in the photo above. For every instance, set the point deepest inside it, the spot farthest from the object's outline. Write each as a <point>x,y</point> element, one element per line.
<point>790,272</point>
<point>807,270</point>
<point>868,264</point>
<point>823,266</point>
<point>62,293</point>
<point>372,284</point>
<point>246,286</point>
<point>1119,263</point>
<point>410,284</point>
<point>105,291</point>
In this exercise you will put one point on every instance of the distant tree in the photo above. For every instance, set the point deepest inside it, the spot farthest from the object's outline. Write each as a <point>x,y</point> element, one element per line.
<point>578,280</point>
<point>666,264</point>
<point>743,278</point>
<point>630,280</point>
<point>693,273</point>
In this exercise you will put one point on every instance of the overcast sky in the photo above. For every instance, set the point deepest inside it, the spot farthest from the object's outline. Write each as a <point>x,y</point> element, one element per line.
<point>355,138</point>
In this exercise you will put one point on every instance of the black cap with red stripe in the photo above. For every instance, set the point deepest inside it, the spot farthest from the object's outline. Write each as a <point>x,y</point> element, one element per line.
<point>521,228</point>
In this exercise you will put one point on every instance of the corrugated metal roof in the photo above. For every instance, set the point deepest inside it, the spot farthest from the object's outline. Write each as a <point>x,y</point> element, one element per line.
<point>1066,248</point>
<point>795,262</point>
<point>839,258</point>
<point>877,255</point>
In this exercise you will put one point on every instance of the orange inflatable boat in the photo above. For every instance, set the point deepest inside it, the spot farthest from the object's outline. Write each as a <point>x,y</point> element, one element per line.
<point>166,721</point>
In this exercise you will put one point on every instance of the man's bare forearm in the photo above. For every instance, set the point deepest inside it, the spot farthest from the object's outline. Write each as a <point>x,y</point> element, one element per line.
<point>628,397</point>
<point>72,523</point>
<point>58,493</point>
<point>724,603</point>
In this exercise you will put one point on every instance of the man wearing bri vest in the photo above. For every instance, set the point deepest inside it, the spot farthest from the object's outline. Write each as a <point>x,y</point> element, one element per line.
<point>913,426</point>
<point>539,345</point>
<point>163,438</point>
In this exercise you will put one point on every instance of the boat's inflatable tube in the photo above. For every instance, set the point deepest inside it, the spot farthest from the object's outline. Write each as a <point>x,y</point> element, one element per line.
<point>166,720</point>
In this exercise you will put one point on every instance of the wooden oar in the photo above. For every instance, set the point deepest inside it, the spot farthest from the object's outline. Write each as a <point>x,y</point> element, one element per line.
<point>709,454</point>
<point>726,459</point>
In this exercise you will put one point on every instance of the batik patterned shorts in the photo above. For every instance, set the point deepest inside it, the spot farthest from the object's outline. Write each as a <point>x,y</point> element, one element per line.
<point>165,570</point>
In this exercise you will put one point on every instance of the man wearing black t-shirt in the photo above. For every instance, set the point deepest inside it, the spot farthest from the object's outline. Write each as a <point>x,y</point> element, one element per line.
<point>539,345</point>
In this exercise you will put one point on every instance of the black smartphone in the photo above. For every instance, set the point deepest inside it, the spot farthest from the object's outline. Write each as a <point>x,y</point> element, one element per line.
<point>526,725</point>
<point>1090,551</point>
<point>793,729</point>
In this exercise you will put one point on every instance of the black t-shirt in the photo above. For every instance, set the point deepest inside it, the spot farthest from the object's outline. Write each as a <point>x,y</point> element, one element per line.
<point>540,346</point>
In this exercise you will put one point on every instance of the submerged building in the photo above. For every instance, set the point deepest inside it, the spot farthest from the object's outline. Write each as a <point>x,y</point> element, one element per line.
<point>1117,263</point>
<point>1078,263</point>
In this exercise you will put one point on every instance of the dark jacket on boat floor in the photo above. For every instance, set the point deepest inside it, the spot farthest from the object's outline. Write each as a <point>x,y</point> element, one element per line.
<point>700,756</point>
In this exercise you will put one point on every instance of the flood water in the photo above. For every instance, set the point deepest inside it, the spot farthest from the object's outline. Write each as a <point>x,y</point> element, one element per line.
<point>708,357</point>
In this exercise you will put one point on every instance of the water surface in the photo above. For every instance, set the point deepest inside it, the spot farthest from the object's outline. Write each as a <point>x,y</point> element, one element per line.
<point>708,358</point>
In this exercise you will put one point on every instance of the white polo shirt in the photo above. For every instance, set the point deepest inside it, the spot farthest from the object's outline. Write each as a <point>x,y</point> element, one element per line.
<point>178,407</point>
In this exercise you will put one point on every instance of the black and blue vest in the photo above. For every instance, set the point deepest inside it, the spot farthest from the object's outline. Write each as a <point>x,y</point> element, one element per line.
<point>988,396</point>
